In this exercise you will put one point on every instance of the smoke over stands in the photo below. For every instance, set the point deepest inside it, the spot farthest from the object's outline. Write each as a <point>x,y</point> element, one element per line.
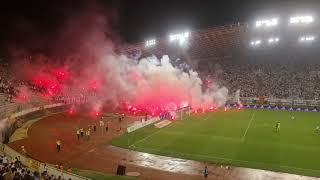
<point>88,66</point>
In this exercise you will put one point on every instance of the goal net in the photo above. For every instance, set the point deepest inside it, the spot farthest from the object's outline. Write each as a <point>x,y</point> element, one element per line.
<point>178,114</point>
<point>183,113</point>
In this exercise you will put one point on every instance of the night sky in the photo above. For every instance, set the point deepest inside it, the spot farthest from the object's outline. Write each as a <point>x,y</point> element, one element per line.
<point>135,20</point>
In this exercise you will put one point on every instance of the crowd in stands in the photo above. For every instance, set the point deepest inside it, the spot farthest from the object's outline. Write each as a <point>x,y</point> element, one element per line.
<point>10,86</point>
<point>296,80</point>
<point>14,170</point>
<point>7,88</point>
<point>290,77</point>
<point>284,72</point>
<point>278,80</point>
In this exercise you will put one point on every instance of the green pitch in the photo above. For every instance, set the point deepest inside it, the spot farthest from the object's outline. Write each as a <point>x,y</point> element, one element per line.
<point>246,139</point>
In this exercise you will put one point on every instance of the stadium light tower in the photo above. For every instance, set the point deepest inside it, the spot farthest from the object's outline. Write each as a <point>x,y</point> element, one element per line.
<point>301,20</point>
<point>151,42</point>
<point>179,37</point>
<point>267,22</point>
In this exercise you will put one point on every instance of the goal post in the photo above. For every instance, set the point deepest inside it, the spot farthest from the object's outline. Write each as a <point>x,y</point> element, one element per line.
<point>183,112</point>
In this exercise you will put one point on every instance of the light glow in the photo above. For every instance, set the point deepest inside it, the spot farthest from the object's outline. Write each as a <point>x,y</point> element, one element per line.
<point>307,38</point>
<point>273,40</point>
<point>267,23</point>
<point>255,42</point>
<point>301,20</point>
<point>180,37</point>
<point>151,42</point>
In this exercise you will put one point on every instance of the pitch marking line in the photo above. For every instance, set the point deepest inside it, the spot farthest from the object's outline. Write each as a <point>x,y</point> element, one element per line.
<point>206,118</point>
<point>225,159</point>
<point>147,137</point>
<point>249,124</point>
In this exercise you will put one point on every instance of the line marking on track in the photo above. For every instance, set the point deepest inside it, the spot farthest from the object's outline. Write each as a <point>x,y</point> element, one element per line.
<point>249,124</point>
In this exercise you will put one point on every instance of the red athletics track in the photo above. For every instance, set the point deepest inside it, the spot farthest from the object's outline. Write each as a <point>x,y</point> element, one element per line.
<point>93,154</point>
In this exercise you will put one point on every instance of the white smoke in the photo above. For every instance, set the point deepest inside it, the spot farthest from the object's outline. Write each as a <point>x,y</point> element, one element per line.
<point>237,97</point>
<point>154,82</point>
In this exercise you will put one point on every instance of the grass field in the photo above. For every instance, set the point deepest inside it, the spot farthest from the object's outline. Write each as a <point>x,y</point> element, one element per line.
<point>245,139</point>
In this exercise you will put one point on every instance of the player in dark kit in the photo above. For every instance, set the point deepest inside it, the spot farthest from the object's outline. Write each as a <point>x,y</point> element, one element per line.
<point>78,134</point>
<point>58,143</point>
<point>94,127</point>
<point>277,127</point>
<point>81,132</point>
<point>107,127</point>
<point>205,172</point>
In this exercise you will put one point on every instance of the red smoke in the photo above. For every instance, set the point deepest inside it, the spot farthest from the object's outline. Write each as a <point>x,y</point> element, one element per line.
<point>86,65</point>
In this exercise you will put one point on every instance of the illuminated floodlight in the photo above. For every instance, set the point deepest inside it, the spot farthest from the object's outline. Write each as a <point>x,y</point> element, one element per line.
<point>180,37</point>
<point>255,43</point>
<point>273,40</point>
<point>267,23</point>
<point>307,38</point>
<point>301,20</point>
<point>151,42</point>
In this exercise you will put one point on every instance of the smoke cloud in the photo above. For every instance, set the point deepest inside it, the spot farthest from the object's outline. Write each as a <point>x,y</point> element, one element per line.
<point>85,64</point>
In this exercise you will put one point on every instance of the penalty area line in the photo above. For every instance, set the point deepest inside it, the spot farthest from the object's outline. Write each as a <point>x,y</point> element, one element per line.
<point>147,137</point>
<point>249,124</point>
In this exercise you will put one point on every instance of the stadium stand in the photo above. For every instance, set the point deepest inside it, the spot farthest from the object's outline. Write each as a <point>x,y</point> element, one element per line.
<point>224,55</point>
<point>13,165</point>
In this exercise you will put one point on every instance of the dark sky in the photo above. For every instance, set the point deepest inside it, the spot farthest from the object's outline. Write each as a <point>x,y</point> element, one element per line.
<point>136,20</point>
<point>143,18</point>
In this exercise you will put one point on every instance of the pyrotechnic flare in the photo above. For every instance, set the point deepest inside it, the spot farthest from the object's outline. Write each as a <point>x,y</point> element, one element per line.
<point>107,78</point>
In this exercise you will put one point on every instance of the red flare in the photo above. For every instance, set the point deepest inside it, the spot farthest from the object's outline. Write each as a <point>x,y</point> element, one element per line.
<point>71,111</point>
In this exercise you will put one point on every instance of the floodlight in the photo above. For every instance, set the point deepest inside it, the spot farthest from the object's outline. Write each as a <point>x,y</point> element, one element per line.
<point>301,20</point>
<point>186,34</point>
<point>273,40</point>
<point>267,22</point>
<point>151,42</point>
<point>172,37</point>
<point>255,42</point>
<point>310,38</point>
<point>307,38</point>
<point>180,37</point>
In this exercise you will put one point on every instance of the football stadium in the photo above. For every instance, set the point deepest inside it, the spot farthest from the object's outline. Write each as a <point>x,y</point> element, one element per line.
<point>233,101</point>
